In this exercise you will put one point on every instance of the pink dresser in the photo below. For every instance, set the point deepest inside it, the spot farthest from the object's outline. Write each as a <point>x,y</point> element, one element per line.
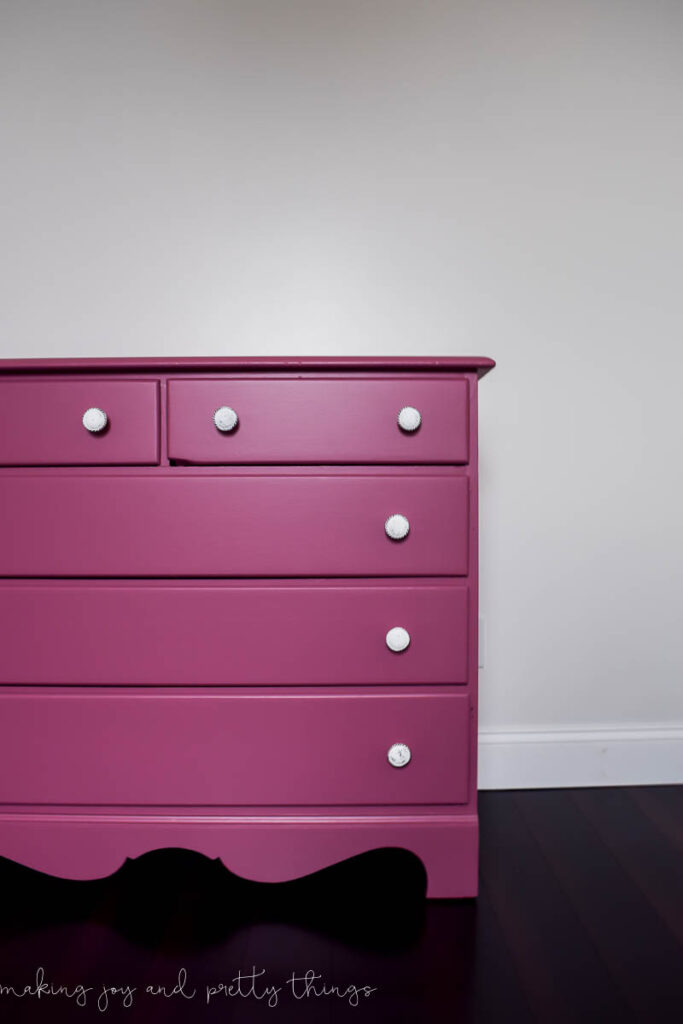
<point>238,612</point>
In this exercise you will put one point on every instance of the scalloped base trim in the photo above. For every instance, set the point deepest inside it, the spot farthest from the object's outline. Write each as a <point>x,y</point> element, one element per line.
<point>262,849</point>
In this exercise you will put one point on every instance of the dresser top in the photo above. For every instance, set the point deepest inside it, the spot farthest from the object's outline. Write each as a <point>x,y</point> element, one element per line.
<point>229,364</point>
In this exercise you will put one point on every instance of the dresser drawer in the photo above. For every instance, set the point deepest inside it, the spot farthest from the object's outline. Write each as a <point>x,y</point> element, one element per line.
<point>41,422</point>
<point>218,634</point>
<point>103,747</point>
<point>321,421</point>
<point>175,524</point>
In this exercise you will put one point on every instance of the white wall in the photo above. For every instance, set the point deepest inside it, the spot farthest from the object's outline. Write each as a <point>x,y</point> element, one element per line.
<point>393,177</point>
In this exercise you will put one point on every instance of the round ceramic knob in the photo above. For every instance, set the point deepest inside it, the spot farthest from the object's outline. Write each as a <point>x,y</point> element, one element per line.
<point>94,420</point>
<point>409,418</point>
<point>397,527</point>
<point>398,638</point>
<point>398,755</point>
<point>225,418</point>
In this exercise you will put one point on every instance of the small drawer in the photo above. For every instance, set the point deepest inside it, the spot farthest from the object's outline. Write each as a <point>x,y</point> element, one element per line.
<point>121,747</point>
<point>76,423</point>
<point>272,524</point>
<point>323,421</point>
<point>283,632</point>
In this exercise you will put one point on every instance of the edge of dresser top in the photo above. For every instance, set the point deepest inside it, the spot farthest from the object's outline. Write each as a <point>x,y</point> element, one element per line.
<point>225,364</point>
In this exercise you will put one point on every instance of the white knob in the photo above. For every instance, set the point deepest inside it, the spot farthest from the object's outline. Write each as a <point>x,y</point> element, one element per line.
<point>409,418</point>
<point>398,755</point>
<point>94,420</point>
<point>398,638</point>
<point>225,418</point>
<point>397,527</point>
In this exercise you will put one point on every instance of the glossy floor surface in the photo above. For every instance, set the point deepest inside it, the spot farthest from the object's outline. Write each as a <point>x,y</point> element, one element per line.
<point>579,918</point>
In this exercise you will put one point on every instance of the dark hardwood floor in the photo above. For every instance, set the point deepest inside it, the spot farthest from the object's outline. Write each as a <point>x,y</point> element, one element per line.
<point>579,918</point>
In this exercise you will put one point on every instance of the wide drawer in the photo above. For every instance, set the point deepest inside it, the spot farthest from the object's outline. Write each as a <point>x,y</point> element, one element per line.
<point>282,632</point>
<point>159,524</point>
<point>318,421</point>
<point>103,747</point>
<point>41,422</point>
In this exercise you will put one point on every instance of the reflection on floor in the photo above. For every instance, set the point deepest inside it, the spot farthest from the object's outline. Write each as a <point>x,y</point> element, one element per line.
<point>579,918</point>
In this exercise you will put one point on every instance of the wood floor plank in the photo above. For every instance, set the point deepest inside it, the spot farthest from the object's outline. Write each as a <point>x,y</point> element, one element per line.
<point>561,969</point>
<point>663,805</point>
<point>654,865</point>
<point>496,992</point>
<point>634,943</point>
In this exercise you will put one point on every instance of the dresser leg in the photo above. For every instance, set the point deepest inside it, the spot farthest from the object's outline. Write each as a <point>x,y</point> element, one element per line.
<point>451,859</point>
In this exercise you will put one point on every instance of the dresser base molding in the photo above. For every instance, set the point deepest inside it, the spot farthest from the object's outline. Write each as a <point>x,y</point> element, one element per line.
<point>262,849</point>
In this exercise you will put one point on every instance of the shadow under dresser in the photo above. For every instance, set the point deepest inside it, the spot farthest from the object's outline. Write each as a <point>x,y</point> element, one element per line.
<point>238,612</point>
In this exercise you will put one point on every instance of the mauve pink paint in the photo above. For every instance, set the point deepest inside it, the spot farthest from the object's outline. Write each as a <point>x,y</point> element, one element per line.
<point>170,524</point>
<point>193,624</point>
<point>480,365</point>
<point>213,633</point>
<point>313,421</point>
<point>230,749</point>
<point>41,422</point>
<point>265,848</point>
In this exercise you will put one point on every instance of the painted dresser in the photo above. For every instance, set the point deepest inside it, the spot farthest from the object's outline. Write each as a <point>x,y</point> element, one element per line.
<point>238,612</point>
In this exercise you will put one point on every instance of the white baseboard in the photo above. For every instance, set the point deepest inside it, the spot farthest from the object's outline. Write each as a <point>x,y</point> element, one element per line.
<point>586,757</point>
